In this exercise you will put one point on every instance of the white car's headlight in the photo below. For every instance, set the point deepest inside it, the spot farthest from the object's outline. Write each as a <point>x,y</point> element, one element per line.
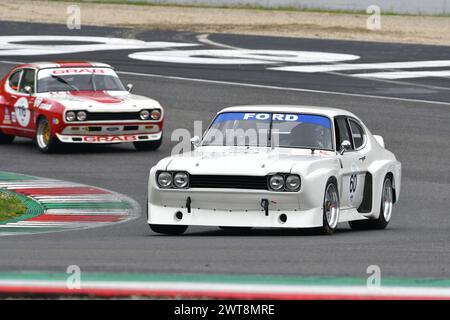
<point>276,182</point>
<point>81,116</point>
<point>70,116</point>
<point>181,180</point>
<point>292,182</point>
<point>164,179</point>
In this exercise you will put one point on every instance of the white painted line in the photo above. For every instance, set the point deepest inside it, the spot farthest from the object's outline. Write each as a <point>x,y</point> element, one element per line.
<point>404,74</point>
<point>203,38</point>
<point>186,287</point>
<point>258,86</point>
<point>365,66</point>
<point>273,87</point>
<point>12,226</point>
<point>37,224</point>
<point>118,212</point>
<point>65,198</point>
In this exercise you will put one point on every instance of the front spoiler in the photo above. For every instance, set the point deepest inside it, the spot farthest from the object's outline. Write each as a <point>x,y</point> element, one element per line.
<point>103,139</point>
<point>234,218</point>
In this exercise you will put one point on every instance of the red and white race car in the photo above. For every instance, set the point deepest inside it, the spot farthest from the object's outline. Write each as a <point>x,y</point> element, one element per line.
<point>75,102</point>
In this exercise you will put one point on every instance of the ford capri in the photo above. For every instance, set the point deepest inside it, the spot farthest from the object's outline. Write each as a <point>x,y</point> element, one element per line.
<point>58,103</point>
<point>277,166</point>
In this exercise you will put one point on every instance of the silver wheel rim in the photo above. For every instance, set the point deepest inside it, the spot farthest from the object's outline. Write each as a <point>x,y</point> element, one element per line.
<point>386,200</point>
<point>331,206</point>
<point>40,135</point>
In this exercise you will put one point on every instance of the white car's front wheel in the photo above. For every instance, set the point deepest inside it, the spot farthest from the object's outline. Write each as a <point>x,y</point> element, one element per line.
<point>387,203</point>
<point>330,208</point>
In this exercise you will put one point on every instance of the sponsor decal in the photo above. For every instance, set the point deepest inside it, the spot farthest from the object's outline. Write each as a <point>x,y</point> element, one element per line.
<point>7,117</point>
<point>304,118</point>
<point>78,71</point>
<point>23,113</point>
<point>110,138</point>
<point>55,121</point>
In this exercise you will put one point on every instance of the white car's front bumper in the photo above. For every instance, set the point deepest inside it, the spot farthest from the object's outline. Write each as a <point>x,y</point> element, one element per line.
<point>234,218</point>
<point>235,208</point>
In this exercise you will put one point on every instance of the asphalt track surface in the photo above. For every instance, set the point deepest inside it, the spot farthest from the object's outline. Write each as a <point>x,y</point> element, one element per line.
<point>416,244</point>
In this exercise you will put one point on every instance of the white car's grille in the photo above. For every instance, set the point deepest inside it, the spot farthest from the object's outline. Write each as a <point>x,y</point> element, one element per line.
<point>228,182</point>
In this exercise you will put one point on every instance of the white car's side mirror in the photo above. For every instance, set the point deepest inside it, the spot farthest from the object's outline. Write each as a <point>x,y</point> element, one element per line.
<point>129,87</point>
<point>345,146</point>
<point>196,141</point>
<point>380,140</point>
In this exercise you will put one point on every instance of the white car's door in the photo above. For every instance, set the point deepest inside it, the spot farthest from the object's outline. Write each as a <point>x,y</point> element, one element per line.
<point>353,169</point>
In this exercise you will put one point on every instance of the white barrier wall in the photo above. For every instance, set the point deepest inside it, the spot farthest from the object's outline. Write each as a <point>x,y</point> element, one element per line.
<point>394,6</point>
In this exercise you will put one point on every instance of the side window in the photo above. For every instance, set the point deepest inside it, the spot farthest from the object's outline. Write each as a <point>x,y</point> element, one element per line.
<point>14,79</point>
<point>358,134</point>
<point>342,132</point>
<point>27,80</point>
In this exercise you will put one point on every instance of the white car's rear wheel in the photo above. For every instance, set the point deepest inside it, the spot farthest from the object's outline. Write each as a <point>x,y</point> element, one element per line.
<point>387,203</point>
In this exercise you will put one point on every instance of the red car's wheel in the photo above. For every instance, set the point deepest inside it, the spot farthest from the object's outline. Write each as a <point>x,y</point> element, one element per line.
<point>44,138</point>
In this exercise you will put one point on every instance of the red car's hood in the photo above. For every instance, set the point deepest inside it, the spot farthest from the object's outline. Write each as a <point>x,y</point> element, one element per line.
<point>100,100</point>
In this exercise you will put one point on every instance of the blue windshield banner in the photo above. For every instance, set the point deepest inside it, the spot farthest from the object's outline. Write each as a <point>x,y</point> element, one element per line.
<point>287,117</point>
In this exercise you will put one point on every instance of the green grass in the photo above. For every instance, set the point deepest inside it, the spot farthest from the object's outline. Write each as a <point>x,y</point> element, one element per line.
<point>10,206</point>
<point>244,6</point>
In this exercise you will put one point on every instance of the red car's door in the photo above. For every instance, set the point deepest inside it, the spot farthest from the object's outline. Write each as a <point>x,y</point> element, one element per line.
<point>10,95</point>
<point>24,103</point>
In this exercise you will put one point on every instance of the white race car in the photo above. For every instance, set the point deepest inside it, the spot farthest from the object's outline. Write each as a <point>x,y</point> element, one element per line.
<point>277,166</point>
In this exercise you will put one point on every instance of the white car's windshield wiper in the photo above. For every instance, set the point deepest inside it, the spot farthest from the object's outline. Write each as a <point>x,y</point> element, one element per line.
<point>63,81</point>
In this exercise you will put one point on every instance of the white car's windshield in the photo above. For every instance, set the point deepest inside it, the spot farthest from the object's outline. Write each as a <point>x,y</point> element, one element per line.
<point>289,130</point>
<point>78,79</point>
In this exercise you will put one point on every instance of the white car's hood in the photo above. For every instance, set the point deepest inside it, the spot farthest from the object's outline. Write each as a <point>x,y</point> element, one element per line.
<point>105,101</point>
<point>244,161</point>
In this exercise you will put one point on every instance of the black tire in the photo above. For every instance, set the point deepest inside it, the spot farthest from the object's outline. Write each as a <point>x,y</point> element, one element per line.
<point>148,145</point>
<point>46,143</point>
<point>328,228</point>
<point>381,222</point>
<point>6,139</point>
<point>168,229</point>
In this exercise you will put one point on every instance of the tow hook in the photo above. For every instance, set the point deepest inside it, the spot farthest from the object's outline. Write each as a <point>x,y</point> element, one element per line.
<point>188,204</point>
<point>265,206</point>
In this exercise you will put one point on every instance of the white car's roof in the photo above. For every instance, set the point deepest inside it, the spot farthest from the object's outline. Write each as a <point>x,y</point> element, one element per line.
<point>330,112</point>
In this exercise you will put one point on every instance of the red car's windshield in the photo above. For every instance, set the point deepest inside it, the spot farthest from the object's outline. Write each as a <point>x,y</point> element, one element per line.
<point>78,79</point>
